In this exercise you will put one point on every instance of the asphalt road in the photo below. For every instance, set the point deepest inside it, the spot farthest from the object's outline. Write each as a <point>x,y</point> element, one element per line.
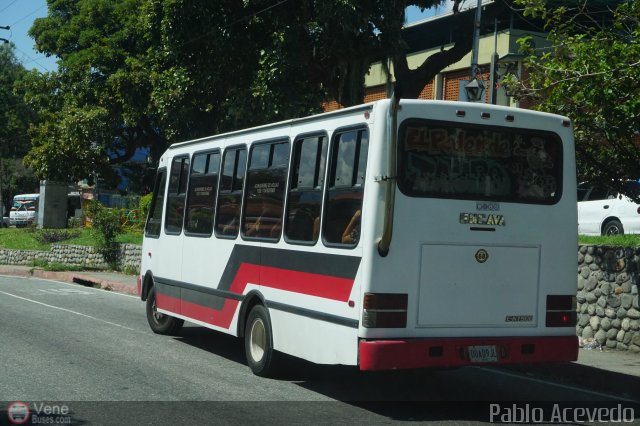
<point>92,352</point>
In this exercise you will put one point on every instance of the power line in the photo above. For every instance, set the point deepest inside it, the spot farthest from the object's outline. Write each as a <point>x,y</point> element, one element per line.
<point>32,60</point>
<point>233,23</point>
<point>26,16</point>
<point>8,6</point>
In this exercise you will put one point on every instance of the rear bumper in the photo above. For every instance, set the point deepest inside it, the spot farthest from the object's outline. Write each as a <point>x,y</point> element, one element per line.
<point>21,221</point>
<point>421,353</point>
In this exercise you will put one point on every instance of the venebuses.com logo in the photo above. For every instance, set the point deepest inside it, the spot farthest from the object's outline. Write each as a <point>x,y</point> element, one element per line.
<point>18,413</point>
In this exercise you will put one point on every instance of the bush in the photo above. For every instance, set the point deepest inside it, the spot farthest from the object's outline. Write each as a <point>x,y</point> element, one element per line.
<point>74,222</point>
<point>48,236</point>
<point>106,225</point>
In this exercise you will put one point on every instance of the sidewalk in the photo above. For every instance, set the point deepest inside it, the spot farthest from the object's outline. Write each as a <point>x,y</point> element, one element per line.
<point>106,280</point>
<point>611,360</point>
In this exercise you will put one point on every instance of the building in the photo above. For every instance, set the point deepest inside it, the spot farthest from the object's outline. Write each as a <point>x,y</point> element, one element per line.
<point>498,36</point>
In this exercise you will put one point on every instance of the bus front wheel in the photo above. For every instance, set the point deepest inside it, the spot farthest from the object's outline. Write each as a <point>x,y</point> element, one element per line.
<point>160,323</point>
<point>258,342</point>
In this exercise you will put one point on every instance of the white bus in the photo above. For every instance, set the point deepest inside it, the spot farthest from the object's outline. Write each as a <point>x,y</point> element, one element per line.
<point>431,234</point>
<point>24,210</point>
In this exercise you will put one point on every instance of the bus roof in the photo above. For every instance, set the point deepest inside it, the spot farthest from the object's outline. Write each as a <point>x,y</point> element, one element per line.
<point>331,114</point>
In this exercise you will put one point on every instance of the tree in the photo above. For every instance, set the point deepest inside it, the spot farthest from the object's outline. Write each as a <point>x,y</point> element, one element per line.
<point>15,118</point>
<point>146,73</point>
<point>93,111</point>
<point>590,74</point>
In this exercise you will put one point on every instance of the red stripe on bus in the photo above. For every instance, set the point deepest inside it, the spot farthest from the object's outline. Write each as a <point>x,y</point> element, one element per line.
<point>324,286</point>
<point>202,313</point>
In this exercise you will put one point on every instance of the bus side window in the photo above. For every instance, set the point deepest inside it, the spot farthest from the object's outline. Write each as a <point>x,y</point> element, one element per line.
<point>227,221</point>
<point>302,221</point>
<point>201,199</point>
<point>343,210</point>
<point>176,195</point>
<point>154,218</point>
<point>266,182</point>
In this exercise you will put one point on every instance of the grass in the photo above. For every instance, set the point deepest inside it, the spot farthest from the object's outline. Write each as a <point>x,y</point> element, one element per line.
<point>56,267</point>
<point>615,240</point>
<point>25,239</point>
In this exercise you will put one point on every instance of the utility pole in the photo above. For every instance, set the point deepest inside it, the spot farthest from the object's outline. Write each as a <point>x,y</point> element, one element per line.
<point>4,28</point>
<point>475,87</point>
<point>1,159</point>
<point>476,41</point>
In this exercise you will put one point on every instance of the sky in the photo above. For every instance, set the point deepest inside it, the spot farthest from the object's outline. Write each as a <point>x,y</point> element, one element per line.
<point>20,14</point>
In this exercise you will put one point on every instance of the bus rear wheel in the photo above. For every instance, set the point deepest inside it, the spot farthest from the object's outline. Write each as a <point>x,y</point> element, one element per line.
<point>258,342</point>
<point>160,323</point>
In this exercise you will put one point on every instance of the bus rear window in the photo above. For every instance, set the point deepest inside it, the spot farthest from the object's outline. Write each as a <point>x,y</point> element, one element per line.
<point>448,160</point>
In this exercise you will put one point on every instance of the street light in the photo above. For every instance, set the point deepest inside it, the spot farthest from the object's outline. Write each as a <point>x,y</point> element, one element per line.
<point>475,88</point>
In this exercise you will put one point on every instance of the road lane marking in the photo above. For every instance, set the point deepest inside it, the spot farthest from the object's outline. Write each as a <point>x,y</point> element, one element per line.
<point>61,291</point>
<point>73,285</point>
<point>115,293</point>
<point>68,311</point>
<point>560,385</point>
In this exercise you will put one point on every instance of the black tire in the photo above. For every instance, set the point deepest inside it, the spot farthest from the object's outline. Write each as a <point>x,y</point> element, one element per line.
<point>613,227</point>
<point>161,323</point>
<point>258,342</point>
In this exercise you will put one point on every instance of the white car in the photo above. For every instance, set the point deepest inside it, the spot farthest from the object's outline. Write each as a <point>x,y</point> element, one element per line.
<point>604,211</point>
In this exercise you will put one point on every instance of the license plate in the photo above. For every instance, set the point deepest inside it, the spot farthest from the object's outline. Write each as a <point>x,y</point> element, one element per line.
<point>486,353</point>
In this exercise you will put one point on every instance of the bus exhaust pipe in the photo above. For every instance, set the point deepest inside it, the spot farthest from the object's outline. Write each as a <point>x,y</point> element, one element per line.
<point>392,136</point>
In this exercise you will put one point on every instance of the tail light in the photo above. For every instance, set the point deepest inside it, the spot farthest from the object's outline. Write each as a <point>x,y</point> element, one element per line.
<point>561,311</point>
<point>384,310</point>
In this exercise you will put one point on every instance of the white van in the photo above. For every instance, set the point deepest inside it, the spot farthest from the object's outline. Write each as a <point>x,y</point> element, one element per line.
<point>24,210</point>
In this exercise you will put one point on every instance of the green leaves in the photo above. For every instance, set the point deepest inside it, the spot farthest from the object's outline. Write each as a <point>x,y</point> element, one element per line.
<point>590,73</point>
<point>147,73</point>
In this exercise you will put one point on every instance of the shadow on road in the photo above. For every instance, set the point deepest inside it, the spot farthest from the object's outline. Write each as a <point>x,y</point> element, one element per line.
<point>583,376</point>
<point>431,395</point>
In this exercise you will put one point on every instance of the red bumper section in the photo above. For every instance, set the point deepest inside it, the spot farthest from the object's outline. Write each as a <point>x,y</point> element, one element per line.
<point>424,353</point>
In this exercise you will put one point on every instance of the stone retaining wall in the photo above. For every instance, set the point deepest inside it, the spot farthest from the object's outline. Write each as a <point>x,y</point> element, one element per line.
<point>608,313</point>
<point>84,256</point>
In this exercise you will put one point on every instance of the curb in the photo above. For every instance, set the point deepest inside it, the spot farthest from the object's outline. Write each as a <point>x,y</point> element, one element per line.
<point>104,284</point>
<point>71,277</point>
